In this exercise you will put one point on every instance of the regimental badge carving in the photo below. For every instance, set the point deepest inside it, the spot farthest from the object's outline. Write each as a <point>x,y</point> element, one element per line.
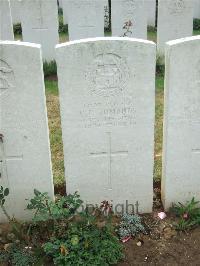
<point>107,75</point>
<point>6,77</point>
<point>177,6</point>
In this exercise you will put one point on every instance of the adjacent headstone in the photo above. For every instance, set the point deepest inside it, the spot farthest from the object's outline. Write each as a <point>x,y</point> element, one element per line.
<point>85,19</point>
<point>65,11</point>
<point>175,20</point>
<point>129,18</point>
<point>24,151</point>
<point>181,150</point>
<point>40,25</point>
<point>16,11</point>
<point>197,9</point>
<point>107,89</point>
<point>6,27</point>
<point>151,12</point>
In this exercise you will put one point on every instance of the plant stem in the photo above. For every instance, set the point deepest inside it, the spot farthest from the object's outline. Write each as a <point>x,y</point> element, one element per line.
<point>5,213</point>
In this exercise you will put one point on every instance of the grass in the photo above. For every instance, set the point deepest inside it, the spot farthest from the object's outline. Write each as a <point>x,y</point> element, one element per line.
<point>196,32</point>
<point>53,110</point>
<point>56,134</point>
<point>159,126</point>
<point>151,36</point>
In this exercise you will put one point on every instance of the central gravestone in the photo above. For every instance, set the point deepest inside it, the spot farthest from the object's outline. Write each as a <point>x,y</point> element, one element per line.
<point>107,108</point>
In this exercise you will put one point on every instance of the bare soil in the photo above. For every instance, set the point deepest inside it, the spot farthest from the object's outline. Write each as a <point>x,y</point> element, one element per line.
<point>163,245</point>
<point>182,249</point>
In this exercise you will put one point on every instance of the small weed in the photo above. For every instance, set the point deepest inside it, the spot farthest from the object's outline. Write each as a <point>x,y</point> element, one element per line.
<point>188,214</point>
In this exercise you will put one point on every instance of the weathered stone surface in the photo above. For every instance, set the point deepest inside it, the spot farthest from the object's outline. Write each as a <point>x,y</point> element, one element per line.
<point>129,18</point>
<point>151,12</point>
<point>24,152</point>
<point>181,150</point>
<point>175,20</point>
<point>15,6</point>
<point>107,88</point>
<point>40,25</point>
<point>6,27</point>
<point>85,18</point>
<point>65,11</point>
<point>197,9</point>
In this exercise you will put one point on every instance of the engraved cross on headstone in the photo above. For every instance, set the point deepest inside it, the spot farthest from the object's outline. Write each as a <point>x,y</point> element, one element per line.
<point>4,158</point>
<point>109,153</point>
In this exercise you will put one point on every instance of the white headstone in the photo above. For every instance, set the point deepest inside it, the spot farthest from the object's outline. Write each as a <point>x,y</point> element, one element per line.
<point>129,18</point>
<point>181,151</point>
<point>6,27</point>
<point>65,11</point>
<point>197,9</point>
<point>151,12</point>
<point>16,11</point>
<point>175,20</point>
<point>25,162</point>
<point>40,25</point>
<point>85,19</point>
<point>107,88</point>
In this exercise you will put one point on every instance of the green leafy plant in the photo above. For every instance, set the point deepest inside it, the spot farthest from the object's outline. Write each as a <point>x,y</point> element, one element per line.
<point>85,244</point>
<point>46,209</point>
<point>188,214</point>
<point>72,237</point>
<point>18,255</point>
<point>130,225</point>
<point>63,233</point>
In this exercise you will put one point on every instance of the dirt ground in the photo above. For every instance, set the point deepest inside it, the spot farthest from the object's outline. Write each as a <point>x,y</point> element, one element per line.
<point>181,249</point>
<point>163,245</point>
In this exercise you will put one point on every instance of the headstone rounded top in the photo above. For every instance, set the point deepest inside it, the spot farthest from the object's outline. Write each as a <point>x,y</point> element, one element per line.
<point>183,40</point>
<point>122,39</point>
